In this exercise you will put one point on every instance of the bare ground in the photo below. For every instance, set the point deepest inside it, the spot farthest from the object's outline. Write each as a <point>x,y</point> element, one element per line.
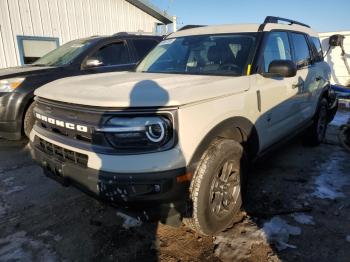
<point>297,209</point>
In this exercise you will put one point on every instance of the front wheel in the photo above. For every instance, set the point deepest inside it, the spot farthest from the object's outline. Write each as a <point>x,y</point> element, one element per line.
<point>215,190</point>
<point>29,120</point>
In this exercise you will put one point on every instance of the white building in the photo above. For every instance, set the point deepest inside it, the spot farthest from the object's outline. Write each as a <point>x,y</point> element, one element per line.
<point>31,28</point>
<point>340,72</point>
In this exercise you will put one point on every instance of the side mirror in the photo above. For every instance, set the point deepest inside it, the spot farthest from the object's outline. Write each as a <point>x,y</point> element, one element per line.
<point>282,68</point>
<point>93,63</point>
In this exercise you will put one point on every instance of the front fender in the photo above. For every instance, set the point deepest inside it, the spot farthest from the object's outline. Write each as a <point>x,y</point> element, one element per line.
<point>239,129</point>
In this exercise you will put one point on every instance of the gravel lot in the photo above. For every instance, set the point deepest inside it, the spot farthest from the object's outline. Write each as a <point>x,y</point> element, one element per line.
<point>298,209</point>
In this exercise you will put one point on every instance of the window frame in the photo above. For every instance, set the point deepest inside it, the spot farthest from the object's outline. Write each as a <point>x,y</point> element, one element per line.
<point>105,43</point>
<point>21,38</point>
<point>306,37</point>
<point>137,58</point>
<point>260,67</point>
<point>316,58</point>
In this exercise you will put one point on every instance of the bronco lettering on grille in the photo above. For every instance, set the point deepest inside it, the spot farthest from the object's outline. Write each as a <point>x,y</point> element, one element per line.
<point>61,123</point>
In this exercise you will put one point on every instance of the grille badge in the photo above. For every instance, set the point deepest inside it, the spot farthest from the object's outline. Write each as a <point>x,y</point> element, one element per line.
<point>60,123</point>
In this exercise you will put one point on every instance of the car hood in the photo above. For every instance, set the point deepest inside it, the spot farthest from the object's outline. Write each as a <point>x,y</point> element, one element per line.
<point>127,89</point>
<point>23,71</point>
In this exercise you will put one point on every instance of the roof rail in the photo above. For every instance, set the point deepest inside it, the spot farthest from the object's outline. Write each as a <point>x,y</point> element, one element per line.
<point>133,33</point>
<point>275,20</point>
<point>190,27</point>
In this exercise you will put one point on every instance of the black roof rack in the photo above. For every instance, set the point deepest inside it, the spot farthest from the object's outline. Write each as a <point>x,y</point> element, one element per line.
<point>275,20</point>
<point>133,33</point>
<point>190,27</point>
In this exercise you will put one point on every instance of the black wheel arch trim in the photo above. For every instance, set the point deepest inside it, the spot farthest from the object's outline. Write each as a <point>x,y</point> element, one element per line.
<point>239,129</point>
<point>331,97</point>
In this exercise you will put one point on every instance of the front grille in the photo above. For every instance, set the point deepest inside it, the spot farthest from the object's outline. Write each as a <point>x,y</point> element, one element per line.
<point>62,154</point>
<point>65,132</point>
<point>74,115</point>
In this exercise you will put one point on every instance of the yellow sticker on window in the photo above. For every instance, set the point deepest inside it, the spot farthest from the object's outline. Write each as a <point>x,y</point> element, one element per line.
<point>249,69</point>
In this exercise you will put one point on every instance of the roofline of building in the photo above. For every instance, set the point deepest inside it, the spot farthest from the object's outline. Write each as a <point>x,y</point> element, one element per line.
<point>152,10</point>
<point>342,32</point>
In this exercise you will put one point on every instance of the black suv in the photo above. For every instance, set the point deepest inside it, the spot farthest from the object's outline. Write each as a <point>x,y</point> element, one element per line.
<point>96,54</point>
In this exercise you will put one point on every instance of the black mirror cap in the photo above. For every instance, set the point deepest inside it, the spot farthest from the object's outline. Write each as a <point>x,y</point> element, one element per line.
<point>284,68</point>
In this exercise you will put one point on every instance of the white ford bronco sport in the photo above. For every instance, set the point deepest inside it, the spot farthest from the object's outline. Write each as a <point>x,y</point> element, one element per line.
<point>204,103</point>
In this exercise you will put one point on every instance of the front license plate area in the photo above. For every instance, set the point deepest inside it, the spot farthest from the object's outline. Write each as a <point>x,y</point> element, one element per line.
<point>54,170</point>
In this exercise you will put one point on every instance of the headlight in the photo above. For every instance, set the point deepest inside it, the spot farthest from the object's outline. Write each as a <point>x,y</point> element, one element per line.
<point>8,85</point>
<point>137,134</point>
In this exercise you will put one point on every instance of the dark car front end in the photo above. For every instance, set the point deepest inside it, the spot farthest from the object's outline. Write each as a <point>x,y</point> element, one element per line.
<point>17,86</point>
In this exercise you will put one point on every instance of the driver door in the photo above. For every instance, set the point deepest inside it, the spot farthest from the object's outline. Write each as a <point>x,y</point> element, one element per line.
<point>278,95</point>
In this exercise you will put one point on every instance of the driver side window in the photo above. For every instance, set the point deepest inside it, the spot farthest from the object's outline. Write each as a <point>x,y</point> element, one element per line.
<point>112,54</point>
<point>277,48</point>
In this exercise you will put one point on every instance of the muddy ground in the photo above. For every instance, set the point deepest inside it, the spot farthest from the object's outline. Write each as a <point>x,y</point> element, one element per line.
<point>298,209</point>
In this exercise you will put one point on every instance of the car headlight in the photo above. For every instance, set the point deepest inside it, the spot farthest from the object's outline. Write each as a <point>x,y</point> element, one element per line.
<point>139,133</point>
<point>10,84</point>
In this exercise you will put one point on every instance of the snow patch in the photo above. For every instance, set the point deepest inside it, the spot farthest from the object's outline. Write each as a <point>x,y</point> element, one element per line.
<point>331,181</point>
<point>236,244</point>
<point>49,234</point>
<point>129,221</point>
<point>14,190</point>
<point>340,118</point>
<point>277,232</point>
<point>20,247</point>
<point>303,219</point>
<point>8,182</point>
<point>46,233</point>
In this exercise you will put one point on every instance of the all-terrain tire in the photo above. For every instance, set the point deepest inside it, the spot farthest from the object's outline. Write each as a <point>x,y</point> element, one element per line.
<point>29,120</point>
<point>316,133</point>
<point>219,168</point>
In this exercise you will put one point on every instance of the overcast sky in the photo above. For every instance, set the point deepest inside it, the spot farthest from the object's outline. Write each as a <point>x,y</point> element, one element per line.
<point>322,15</point>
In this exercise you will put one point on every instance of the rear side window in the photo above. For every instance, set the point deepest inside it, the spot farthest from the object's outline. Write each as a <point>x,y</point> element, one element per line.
<point>112,54</point>
<point>318,48</point>
<point>301,49</point>
<point>277,48</point>
<point>143,46</point>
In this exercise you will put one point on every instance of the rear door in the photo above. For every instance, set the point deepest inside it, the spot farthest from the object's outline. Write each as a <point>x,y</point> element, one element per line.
<point>306,82</point>
<point>322,72</point>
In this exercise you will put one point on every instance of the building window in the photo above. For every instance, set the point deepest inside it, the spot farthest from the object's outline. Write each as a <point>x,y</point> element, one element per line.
<point>31,48</point>
<point>160,29</point>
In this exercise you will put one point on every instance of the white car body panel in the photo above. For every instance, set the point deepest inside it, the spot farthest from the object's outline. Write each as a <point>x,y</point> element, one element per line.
<point>125,90</point>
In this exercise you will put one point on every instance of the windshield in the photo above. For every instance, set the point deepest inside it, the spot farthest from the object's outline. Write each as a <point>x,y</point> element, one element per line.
<point>63,55</point>
<point>204,54</point>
